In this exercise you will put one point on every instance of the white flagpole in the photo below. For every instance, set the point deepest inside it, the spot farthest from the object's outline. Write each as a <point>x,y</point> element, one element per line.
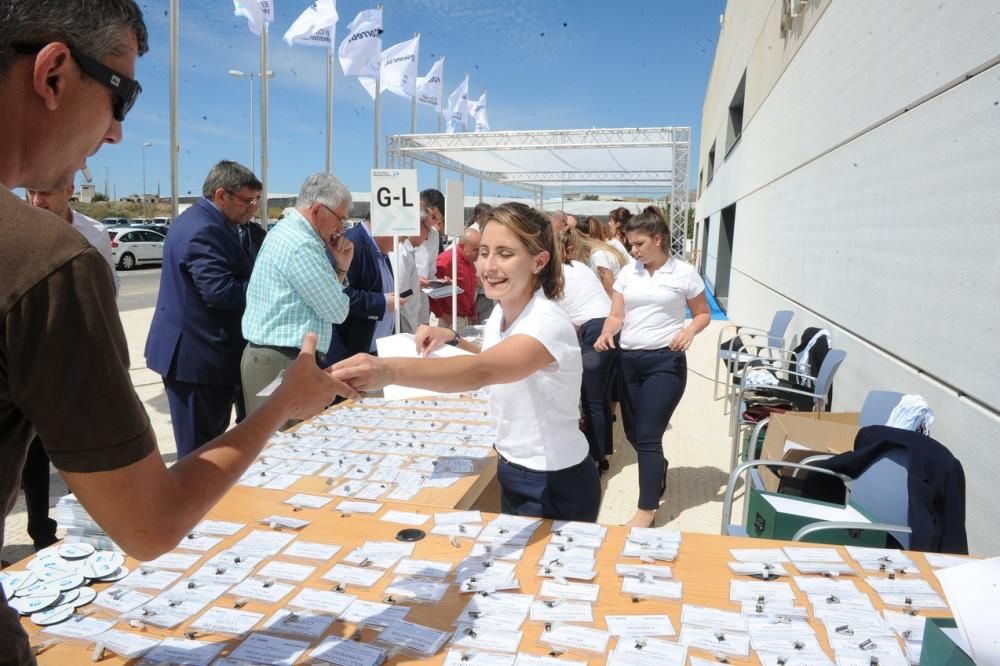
<point>175,31</point>
<point>397,270</point>
<point>439,168</point>
<point>329,107</point>
<point>454,284</point>
<point>263,121</point>
<point>413,106</point>
<point>378,100</point>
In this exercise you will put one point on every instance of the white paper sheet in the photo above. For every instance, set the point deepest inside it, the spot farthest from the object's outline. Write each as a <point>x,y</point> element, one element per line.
<point>403,345</point>
<point>971,590</point>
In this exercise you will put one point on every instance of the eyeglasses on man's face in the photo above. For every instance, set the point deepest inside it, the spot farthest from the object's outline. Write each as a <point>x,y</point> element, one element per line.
<point>332,212</point>
<point>124,90</point>
<point>249,203</point>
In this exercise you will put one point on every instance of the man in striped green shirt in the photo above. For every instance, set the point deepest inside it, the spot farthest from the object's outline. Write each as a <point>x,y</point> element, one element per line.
<point>294,288</point>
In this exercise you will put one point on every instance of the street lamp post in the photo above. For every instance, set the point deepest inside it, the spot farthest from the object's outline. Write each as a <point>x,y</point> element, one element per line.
<point>251,76</point>
<point>145,145</point>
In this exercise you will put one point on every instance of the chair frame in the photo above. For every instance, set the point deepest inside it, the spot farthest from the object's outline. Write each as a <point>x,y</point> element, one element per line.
<point>806,530</point>
<point>752,332</point>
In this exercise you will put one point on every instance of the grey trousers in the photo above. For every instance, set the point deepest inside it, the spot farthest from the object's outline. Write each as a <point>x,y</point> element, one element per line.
<point>258,368</point>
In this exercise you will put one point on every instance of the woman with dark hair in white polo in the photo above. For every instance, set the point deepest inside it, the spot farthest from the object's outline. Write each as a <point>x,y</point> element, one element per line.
<point>647,309</point>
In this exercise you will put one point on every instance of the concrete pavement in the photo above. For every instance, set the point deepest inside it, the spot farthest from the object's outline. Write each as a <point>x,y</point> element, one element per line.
<point>696,443</point>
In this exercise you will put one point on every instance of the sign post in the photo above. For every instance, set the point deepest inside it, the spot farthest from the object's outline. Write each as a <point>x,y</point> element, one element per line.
<point>454,225</point>
<point>395,209</point>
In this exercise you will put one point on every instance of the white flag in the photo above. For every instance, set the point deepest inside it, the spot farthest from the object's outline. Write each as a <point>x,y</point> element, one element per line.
<point>256,12</point>
<point>430,88</point>
<point>360,50</point>
<point>315,26</point>
<point>477,112</point>
<point>458,106</point>
<point>398,70</point>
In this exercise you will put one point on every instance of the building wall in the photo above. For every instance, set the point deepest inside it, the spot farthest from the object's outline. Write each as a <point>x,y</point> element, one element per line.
<point>866,183</point>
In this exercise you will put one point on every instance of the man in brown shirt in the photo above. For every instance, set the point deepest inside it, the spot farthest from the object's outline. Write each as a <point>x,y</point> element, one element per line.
<point>66,81</point>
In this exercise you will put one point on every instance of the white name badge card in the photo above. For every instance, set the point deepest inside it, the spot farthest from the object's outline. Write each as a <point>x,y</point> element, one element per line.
<point>311,550</point>
<point>348,575</point>
<point>713,640</point>
<point>796,554</point>
<point>416,637</point>
<point>639,625</point>
<point>660,589</point>
<point>227,621</point>
<point>745,590</point>
<point>148,578</point>
<point>80,626</point>
<point>265,649</point>
<point>307,501</point>
<point>713,618</point>
<point>781,659</point>
<point>121,600</point>
<point>757,569</point>
<point>404,517</point>
<point>359,507</point>
<point>575,637</point>
<point>480,638</point>
<point>535,660</point>
<point>286,571</point>
<point>304,623</point>
<point>175,561</point>
<point>126,644</point>
<point>218,527</point>
<point>761,555</point>
<point>374,613</point>
<point>345,652</point>
<point>643,651</point>
<point>497,551</point>
<point>576,591</point>
<point>558,610</point>
<point>462,658</point>
<point>264,589</point>
<point>406,588</point>
<point>183,651</point>
<point>423,568</point>
<point>263,543</point>
<point>334,603</point>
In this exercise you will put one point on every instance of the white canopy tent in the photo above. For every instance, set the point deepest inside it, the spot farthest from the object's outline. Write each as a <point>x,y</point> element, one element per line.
<point>608,159</point>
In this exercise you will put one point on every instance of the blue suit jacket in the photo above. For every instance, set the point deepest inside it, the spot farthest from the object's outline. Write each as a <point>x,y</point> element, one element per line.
<point>366,294</point>
<point>195,335</point>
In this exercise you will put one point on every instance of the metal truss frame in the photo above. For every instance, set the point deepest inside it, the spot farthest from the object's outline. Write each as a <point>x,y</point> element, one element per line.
<point>405,149</point>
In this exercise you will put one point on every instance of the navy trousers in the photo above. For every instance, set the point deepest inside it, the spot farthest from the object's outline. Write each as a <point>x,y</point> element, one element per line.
<point>199,412</point>
<point>573,493</point>
<point>598,378</point>
<point>654,385</point>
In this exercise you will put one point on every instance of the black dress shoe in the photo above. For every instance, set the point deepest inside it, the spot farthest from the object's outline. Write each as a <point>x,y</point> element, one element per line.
<point>603,466</point>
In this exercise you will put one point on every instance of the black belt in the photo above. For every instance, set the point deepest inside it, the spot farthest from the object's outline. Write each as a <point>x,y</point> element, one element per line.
<point>553,472</point>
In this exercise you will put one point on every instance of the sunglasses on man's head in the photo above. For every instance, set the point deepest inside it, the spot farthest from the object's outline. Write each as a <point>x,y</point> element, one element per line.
<point>125,91</point>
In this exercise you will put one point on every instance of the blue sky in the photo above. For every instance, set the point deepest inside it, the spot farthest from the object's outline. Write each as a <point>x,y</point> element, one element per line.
<point>546,64</point>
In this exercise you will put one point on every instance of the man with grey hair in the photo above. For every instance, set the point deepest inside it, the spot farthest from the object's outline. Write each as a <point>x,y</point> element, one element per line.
<point>558,220</point>
<point>195,343</point>
<point>66,69</point>
<point>294,288</point>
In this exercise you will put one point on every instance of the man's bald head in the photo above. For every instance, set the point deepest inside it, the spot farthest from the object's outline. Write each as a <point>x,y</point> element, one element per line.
<point>468,243</point>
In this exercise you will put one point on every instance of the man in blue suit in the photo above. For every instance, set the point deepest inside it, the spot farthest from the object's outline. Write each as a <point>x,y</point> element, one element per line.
<point>371,295</point>
<point>195,341</point>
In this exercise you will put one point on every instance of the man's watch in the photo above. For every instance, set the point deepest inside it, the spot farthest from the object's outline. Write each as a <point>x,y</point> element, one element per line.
<point>455,340</point>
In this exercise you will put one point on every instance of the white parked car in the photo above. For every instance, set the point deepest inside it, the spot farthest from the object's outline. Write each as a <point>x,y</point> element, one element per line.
<point>133,247</point>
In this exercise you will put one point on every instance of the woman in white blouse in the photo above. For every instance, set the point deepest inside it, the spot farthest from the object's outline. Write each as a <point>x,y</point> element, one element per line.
<point>530,363</point>
<point>587,305</point>
<point>647,309</point>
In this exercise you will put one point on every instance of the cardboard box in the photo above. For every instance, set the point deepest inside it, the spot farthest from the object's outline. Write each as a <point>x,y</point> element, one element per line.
<point>794,436</point>
<point>938,648</point>
<point>776,516</point>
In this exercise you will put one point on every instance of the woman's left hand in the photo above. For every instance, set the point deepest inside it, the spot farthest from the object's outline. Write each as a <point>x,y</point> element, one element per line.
<point>363,372</point>
<point>682,340</point>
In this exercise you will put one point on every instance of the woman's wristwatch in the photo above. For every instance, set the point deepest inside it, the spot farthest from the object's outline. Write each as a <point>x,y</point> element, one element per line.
<point>455,340</point>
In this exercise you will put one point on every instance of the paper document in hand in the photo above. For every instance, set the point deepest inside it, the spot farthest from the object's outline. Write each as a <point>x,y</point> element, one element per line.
<point>404,345</point>
<point>442,292</point>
